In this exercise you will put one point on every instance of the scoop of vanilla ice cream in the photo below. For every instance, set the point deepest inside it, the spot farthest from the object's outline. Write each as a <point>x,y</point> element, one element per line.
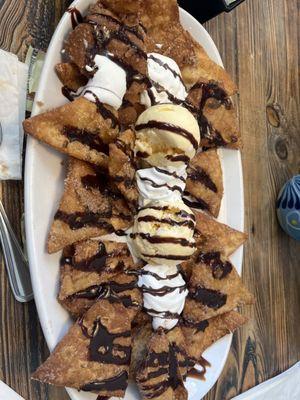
<point>108,83</point>
<point>156,183</point>
<point>167,84</point>
<point>166,135</point>
<point>163,233</point>
<point>164,293</point>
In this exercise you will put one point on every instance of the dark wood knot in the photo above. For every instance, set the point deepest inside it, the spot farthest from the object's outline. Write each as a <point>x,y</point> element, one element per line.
<point>273,115</point>
<point>281,148</point>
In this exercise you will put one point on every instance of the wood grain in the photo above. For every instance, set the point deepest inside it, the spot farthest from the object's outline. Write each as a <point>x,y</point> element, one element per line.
<point>259,45</point>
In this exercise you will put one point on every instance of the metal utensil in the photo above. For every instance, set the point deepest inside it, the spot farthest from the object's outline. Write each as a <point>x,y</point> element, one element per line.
<point>1,133</point>
<point>15,260</point>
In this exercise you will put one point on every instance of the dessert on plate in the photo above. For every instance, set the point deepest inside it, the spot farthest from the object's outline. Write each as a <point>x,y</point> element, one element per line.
<point>145,269</point>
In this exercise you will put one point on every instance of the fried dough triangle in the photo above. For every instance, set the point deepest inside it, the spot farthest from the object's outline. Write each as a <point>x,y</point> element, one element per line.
<point>122,168</point>
<point>90,207</point>
<point>95,354</point>
<point>94,268</point>
<point>216,115</point>
<point>103,32</point>
<point>200,336</point>
<point>70,76</point>
<point>190,339</point>
<point>214,287</point>
<point>178,340</point>
<point>205,182</point>
<point>141,334</point>
<point>159,377</point>
<point>161,18</point>
<point>81,129</point>
<point>211,235</point>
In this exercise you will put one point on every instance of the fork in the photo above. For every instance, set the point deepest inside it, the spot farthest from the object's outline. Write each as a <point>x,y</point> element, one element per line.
<point>15,260</point>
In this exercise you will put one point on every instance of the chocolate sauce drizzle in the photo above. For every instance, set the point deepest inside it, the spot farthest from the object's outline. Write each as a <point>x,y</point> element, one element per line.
<point>91,293</point>
<point>208,297</point>
<point>181,213</point>
<point>130,29</point>
<point>142,154</point>
<point>196,374</point>
<point>163,290</point>
<point>166,172</point>
<point>166,256</point>
<point>211,90</point>
<point>66,260</point>
<point>168,366</point>
<point>76,17</point>
<point>95,263</point>
<point>161,239</point>
<point>99,182</point>
<point>197,203</point>
<point>220,269</point>
<point>111,291</point>
<point>157,186</point>
<point>143,272</point>
<point>167,67</point>
<point>178,158</point>
<point>170,128</point>
<point>115,383</point>
<point>162,314</point>
<point>197,174</point>
<point>102,347</point>
<point>103,39</point>
<point>198,326</point>
<point>87,138</point>
<point>69,93</point>
<point>103,111</point>
<point>80,220</point>
<point>151,218</point>
<point>132,75</point>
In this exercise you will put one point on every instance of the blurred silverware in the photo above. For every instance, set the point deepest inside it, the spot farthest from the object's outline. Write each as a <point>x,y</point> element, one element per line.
<point>15,260</point>
<point>1,133</point>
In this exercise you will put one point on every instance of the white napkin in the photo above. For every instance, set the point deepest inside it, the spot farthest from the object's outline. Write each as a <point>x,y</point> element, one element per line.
<point>13,89</point>
<point>6,393</point>
<point>283,387</point>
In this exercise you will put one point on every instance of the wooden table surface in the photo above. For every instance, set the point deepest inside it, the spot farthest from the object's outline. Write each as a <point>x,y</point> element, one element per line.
<point>259,44</point>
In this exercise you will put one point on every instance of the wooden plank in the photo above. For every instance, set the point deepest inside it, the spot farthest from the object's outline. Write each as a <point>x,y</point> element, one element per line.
<point>22,344</point>
<point>259,46</point>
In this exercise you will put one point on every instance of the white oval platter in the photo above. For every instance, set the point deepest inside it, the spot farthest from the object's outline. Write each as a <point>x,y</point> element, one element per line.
<point>44,175</point>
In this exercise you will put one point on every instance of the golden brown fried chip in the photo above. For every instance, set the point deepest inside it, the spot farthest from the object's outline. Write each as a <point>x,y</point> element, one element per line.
<point>102,31</point>
<point>122,7</point>
<point>90,207</point>
<point>200,336</point>
<point>79,44</point>
<point>161,18</point>
<point>205,182</point>
<point>211,235</point>
<point>141,334</point>
<point>178,340</point>
<point>216,115</point>
<point>95,354</point>
<point>94,268</point>
<point>81,129</point>
<point>122,167</point>
<point>214,287</point>
<point>156,15</point>
<point>131,107</point>
<point>203,68</point>
<point>70,76</point>
<point>159,377</point>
